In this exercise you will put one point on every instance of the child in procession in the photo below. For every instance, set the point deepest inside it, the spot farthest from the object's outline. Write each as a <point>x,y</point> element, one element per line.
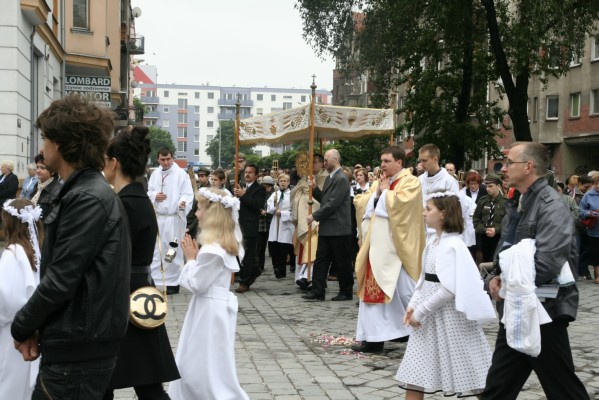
<point>206,355</point>
<point>280,236</point>
<point>19,277</point>
<point>447,351</point>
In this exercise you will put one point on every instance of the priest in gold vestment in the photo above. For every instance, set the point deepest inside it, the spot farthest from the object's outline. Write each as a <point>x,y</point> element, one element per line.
<point>389,261</point>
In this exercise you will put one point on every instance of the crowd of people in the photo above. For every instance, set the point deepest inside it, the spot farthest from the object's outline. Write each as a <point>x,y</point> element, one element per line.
<point>89,233</point>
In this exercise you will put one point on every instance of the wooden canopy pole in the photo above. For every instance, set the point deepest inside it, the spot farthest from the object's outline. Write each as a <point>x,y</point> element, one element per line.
<point>237,123</point>
<point>311,152</point>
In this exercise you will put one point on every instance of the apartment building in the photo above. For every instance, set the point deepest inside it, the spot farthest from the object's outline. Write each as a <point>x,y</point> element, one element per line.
<point>192,113</point>
<point>49,48</point>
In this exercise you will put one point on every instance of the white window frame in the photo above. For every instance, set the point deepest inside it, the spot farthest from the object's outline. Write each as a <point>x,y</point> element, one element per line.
<point>165,110</point>
<point>535,109</point>
<point>196,123</point>
<point>182,132</point>
<point>210,110</point>
<point>210,95</point>
<point>196,109</point>
<point>196,152</point>
<point>575,113</point>
<point>165,123</point>
<point>183,144</point>
<point>594,105</point>
<point>547,99</point>
<point>595,48</point>
<point>179,104</point>
<point>182,116</point>
<point>197,95</point>
<point>259,97</point>
<point>166,93</point>
<point>196,136</point>
<point>210,124</point>
<point>87,16</point>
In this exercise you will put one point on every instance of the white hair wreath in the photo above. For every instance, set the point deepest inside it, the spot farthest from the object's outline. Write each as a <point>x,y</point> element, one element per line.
<point>446,193</point>
<point>28,215</point>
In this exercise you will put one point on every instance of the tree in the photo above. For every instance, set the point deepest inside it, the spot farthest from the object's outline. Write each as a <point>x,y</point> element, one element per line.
<point>159,138</point>
<point>227,146</point>
<point>440,52</point>
<point>140,109</point>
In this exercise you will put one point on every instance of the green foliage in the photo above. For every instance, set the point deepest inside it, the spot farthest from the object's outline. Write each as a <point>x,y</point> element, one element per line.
<point>227,146</point>
<point>159,138</point>
<point>140,109</point>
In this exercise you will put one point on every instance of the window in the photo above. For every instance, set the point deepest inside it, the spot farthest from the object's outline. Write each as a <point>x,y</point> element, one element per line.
<point>209,138</point>
<point>210,110</point>
<point>552,107</point>
<point>197,95</point>
<point>259,111</point>
<point>165,124</point>
<point>149,93</point>
<point>258,153</point>
<point>287,97</point>
<point>81,14</point>
<point>260,97</point>
<point>210,124</point>
<point>196,152</point>
<point>303,99</point>
<point>210,95</point>
<point>535,109</point>
<point>595,49</point>
<point>575,105</point>
<point>181,147</point>
<point>196,109</point>
<point>182,132</point>
<point>182,104</point>
<point>576,60</point>
<point>287,105</point>
<point>196,136</point>
<point>181,118</point>
<point>595,102</point>
<point>165,110</point>
<point>166,93</point>
<point>196,124</point>
<point>229,96</point>
<point>151,122</point>
<point>273,97</point>
<point>182,94</point>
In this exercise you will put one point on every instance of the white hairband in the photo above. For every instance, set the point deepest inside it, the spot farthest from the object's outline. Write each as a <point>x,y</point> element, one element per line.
<point>447,193</point>
<point>28,215</point>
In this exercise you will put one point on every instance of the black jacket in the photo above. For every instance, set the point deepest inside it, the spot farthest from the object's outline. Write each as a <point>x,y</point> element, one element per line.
<point>48,195</point>
<point>81,305</point>
<point>249,210</point>
<point>8,188</point>
<point>334,214</point>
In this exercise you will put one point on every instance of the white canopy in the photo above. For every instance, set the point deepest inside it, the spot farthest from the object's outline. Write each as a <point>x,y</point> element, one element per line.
<point>330,122</point>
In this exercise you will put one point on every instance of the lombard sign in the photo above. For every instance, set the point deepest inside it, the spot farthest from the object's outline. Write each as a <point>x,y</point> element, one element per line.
<point>93,87</point>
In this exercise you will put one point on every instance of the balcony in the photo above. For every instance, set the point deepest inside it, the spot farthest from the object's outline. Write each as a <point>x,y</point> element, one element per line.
<point>232,102</point>
<point>231,116</point>
<point>136,44</point>
<point>149,100</point>
<point>151,114</point>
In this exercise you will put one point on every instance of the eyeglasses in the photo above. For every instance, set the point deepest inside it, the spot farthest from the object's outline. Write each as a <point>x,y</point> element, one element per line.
<point>510,162</point>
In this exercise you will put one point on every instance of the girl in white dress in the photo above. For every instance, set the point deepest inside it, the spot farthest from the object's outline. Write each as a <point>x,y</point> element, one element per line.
<point>206,354</point>
<point>447,351</point>
<point>19,276</point>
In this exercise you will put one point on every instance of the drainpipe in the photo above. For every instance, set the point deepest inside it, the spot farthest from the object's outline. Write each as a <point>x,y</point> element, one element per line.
<point>32,115</point>
<point>63,64</point>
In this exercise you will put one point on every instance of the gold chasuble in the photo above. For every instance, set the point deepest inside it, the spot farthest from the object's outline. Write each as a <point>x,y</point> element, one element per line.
<point>377,280</point>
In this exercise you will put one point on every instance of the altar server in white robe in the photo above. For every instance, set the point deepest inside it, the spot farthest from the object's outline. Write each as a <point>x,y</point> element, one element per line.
<point>169,189</point>
<point>388,263</point>
<point>19,276</point>
<point>280,234</point>
<point>206,352</point>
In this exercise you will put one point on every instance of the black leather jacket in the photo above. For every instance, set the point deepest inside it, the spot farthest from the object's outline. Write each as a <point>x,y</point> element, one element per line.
<point>81,306</point>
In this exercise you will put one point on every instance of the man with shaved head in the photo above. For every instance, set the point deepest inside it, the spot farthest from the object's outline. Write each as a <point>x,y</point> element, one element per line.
<point>334,232</point>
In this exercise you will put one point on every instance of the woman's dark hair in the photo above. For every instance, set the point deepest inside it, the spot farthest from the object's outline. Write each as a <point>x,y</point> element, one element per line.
<point>132,150</point>
<point>453,220</point>
<point>39,158</point>
<point>81,128</point>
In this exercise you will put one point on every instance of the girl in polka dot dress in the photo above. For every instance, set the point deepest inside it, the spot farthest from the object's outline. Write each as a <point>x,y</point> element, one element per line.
<point>447,351</point>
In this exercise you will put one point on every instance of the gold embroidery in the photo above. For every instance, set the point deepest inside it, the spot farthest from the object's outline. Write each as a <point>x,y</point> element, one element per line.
<point>372,288</point>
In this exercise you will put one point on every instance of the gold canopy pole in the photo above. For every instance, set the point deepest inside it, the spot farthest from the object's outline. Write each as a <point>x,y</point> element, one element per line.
<point>311,152</point>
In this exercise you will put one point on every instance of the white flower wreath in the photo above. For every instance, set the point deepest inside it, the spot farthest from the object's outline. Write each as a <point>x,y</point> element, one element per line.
<point>447,193</point>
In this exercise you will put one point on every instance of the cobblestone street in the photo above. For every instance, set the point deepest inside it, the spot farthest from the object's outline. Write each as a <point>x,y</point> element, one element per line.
<point>290,349</point>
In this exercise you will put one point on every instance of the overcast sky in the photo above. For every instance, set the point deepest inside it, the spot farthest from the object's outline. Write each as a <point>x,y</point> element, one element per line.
<point>229,42</point>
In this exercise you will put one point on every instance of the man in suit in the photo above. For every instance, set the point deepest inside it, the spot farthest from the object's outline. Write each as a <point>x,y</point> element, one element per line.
<point>334,232</point>
<point>251,202</point>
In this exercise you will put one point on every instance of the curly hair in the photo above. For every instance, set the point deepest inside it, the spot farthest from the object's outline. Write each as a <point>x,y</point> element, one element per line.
<point>132,150</point>
<point>17,232</point>
<point>80,128</point>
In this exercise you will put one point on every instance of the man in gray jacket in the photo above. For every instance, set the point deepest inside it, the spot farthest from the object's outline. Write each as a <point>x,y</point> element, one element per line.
<point>334,232</point>
<point>540,214</point>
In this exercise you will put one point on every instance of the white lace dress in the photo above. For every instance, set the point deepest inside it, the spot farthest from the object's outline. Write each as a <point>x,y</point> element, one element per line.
<point>448,353</point>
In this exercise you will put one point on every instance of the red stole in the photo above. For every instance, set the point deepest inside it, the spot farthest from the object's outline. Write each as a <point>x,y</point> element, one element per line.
<point>372,291</point>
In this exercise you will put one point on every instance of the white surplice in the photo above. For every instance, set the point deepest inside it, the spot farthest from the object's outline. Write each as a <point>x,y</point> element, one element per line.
<point>382,322</point>
<point>206,352</point>
<point>17,283</point>
<point>281,227</point>
<point>175,183</point>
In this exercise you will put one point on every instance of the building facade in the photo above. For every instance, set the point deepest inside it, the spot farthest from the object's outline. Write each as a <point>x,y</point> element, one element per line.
<point>192,113</point>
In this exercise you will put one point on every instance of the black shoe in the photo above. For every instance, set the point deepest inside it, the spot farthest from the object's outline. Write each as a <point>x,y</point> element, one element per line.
<point>342,297</point>
<point>302,283</point>
<point>313,296</point>
<point>403,339</point>
<point>588,275</point>
<point>172,289</point>
<point>368,347</point>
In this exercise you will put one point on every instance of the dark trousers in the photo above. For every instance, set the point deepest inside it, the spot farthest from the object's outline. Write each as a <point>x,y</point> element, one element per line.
<point>155,391</point>
<point>338,250</point>
<point>279,253</point>
<point>249,266</point>
<point>261,242</point>
<point>583,254</point>
<point>84,380</point>
<point>554,367</point>
<point>488,246</point>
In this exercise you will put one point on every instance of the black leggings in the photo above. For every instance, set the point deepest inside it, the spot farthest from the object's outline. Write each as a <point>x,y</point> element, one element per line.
<point>154,391</point>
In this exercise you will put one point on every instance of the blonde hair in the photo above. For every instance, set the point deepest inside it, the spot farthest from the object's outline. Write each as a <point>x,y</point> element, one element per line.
<point>217,225</point>
<point>8,164</point>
